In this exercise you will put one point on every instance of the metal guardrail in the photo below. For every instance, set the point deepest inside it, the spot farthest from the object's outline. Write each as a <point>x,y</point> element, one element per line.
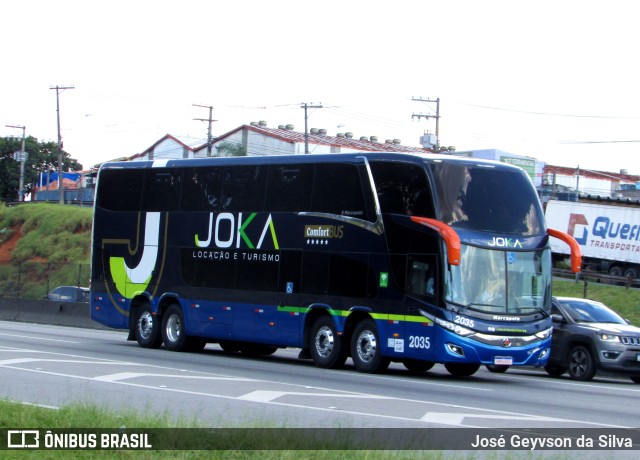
<point>597,277</point>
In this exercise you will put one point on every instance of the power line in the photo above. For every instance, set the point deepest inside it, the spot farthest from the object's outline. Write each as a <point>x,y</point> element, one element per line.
<point>550,114</point>
<point>599,142</point>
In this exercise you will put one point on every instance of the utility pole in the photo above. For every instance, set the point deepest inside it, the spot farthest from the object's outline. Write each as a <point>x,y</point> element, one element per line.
<point>21,157</point>
<point>306,106</point>
<point>59,88</point>
<point>436,116</point>
<point>210,120</point>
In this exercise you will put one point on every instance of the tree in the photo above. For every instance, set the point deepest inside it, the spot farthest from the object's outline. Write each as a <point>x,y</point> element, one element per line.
<point>42,157</point>
<point>231,149</point>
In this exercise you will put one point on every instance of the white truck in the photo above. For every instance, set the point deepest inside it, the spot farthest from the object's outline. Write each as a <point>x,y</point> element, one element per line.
<point>609,235</point>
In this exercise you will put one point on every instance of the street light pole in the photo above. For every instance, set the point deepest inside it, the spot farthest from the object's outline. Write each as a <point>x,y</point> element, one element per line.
<point>22,157</point>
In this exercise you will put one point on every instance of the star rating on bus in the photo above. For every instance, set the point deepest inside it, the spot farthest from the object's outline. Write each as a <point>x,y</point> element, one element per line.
<point>317,242</point>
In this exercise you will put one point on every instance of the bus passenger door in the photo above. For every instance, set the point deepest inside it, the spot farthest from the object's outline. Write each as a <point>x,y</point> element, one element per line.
<point>421,294</point>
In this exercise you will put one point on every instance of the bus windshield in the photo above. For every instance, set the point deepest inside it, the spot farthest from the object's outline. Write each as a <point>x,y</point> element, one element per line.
<point>500,282</point>
<point>487,199</point>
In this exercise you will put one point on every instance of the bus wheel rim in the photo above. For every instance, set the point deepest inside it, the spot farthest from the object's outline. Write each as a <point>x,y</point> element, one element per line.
<point>145,325</point>
<point>367,346</point>
<point>324,341</point>
<point>173,328</point>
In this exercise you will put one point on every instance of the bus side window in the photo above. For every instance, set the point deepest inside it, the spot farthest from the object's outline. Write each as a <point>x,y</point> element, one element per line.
<point>289,188</point>
<point>243,188</point>
<point>120,190</point>
<point>402,189</point>
<point>201,189</point>
<point>161,190</point>
<point>337,189</point>
<point>421,280</point>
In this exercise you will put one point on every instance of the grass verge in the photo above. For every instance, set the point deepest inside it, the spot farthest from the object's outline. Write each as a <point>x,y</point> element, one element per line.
<point>626,302</point>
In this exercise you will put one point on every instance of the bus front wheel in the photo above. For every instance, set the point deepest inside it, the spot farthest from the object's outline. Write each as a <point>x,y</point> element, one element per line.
<point>366,349</point>
<point>147,328</point>
<point>497,368</point>
<point>326,346</point>
<point>416,366</point>
<point>461,369</point>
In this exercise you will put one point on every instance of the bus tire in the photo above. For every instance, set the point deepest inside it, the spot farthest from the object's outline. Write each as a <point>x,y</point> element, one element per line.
<point>257,349</point>
<point>366,349</point>
<point>461,369</point>
<point>174,336</point>
<point>555,370</point>
<point>417,366</point>
<point>196,344</point>
<point>147,327</point>
<point>229,346</point>
<point>497,368</point>
<point>325,345</point>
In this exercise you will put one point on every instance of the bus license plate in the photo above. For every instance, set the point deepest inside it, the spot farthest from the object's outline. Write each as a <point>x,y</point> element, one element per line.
<point>507,360</point>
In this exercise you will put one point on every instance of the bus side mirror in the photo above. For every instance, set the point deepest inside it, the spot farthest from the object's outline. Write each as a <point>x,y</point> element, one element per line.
<point>576,252</point>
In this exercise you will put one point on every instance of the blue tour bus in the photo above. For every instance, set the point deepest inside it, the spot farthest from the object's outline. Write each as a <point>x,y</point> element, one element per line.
<point>380,257</point>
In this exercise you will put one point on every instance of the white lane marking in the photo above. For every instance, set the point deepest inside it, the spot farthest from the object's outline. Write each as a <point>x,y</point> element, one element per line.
<point>457,418</point>
<point>43,406</point>
<point>36,338</point>
<point>132,375</point>
<point>425,382</point>
<point>10,362</point>
<point>619,385</point>
<point>268,396</point>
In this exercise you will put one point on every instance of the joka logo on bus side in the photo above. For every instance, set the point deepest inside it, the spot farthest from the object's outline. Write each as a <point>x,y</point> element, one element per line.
<point>226,229</point>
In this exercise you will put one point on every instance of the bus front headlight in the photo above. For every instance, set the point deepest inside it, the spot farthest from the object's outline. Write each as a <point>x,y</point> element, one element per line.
<point>544,334</point>
<point>455,328</point>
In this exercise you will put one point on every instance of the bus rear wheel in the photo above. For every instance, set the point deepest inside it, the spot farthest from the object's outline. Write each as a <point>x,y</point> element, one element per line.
<point>230,346</point>
<point>325,345</point>
<point>257,349</point>
<point>366,349</point>
<point>147,328</point>
<point>461,369</point>
<point>174,335</point>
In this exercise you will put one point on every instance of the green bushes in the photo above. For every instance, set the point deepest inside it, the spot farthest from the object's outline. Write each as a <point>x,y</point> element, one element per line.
<point>53,248</point>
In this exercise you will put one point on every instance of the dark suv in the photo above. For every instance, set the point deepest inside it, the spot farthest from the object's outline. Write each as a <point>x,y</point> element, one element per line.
<point>587,337</point>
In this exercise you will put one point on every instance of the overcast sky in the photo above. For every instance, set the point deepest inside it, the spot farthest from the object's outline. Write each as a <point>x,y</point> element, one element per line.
<point>555,80</point>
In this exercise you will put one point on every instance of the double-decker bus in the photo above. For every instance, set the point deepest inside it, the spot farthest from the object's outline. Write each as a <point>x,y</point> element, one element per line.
<point>380,257</point>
